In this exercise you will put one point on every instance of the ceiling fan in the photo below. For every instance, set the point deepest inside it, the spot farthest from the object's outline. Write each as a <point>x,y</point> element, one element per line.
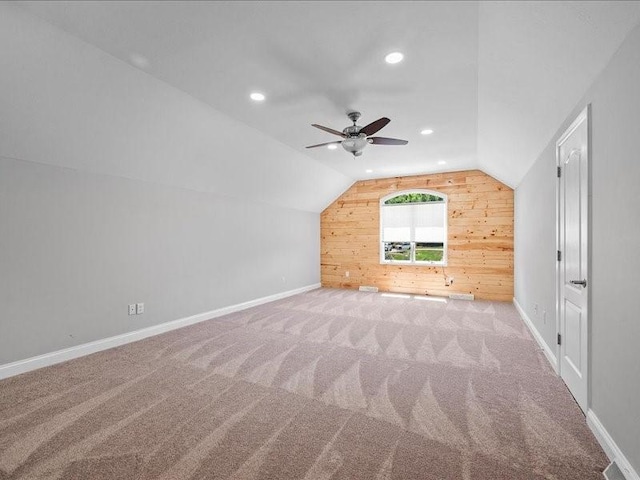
<point>357,137</point>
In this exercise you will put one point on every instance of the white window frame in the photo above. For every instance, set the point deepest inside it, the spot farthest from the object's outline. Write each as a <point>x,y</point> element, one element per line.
<point>412,260</point>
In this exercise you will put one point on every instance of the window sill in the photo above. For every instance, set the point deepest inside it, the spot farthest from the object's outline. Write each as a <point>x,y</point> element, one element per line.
<point>417,264</point>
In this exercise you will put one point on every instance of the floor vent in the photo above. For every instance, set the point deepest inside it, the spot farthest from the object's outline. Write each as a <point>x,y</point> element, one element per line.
<point>613,472</point>
<point>365,288</point>
<point>461,296</point>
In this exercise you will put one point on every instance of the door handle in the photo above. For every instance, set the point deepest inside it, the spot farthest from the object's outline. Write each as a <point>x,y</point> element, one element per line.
<point>579,282</point>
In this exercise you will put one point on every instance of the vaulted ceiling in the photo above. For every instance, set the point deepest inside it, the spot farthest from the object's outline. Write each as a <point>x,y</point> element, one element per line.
<point>494,80</point>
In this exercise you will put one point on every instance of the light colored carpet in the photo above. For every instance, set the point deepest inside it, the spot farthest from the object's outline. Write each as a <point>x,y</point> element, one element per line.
<point>331,384</point>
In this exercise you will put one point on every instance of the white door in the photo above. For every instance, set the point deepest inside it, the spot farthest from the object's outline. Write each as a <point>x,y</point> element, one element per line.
<point>573,282</point>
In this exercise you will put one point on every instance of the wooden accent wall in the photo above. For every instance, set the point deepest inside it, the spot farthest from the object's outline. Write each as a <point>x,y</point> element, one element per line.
<point>480,238</point>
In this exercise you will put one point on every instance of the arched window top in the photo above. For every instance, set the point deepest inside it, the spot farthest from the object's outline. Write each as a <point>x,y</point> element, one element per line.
<point>413,197</point>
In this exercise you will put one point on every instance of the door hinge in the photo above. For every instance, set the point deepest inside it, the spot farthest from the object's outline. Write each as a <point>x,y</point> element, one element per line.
<point>559,339</point>
<point>559,256</point>
<point>559,172</point>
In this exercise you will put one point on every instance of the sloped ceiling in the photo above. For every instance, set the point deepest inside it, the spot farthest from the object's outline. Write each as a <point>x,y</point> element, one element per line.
<point>494,80</point>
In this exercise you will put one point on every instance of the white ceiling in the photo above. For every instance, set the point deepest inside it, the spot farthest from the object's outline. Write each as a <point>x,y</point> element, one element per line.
<point>494,80</point>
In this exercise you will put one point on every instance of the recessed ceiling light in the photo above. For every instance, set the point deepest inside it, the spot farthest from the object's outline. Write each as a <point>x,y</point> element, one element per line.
<point>426,131</point>
<point>332,146</point>
<point>257,96</point>
<point>394,57</point>
<point>139,61</point>
<point>368,170</point>
<point>442,162</point>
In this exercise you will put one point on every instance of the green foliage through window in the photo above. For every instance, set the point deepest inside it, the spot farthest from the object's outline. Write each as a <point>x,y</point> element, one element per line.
<point>414,198</point>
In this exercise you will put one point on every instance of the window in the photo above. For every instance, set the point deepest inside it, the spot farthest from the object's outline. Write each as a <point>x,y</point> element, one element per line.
<point>413,228</point>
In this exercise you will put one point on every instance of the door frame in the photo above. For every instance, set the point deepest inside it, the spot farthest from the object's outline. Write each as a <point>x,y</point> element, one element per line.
<point>583,116</point>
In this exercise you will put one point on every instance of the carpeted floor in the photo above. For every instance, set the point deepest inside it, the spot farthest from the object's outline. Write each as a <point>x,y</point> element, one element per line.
<point>330,384</point>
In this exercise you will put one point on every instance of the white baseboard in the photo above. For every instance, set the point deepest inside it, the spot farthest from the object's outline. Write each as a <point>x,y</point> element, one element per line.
<point>610,447</point>
<point>47,359</point>
<point>546,349</point>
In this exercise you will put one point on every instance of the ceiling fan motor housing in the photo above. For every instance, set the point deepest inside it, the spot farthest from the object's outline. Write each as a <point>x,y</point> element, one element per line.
<point>352,130</point>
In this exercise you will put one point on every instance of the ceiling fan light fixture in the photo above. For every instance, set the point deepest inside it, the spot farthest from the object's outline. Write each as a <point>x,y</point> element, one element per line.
<point>332,146</point>
<point>393,57</point>
<point>355,144</point>
<point>442,162</point>
<point>368,170</point>
<point>257,96</point>
<point>426,131</point>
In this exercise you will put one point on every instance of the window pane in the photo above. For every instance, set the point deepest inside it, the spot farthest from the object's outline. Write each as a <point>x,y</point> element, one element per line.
<point>399,251</point>
<point>415,197</point>
<point>429,252</point>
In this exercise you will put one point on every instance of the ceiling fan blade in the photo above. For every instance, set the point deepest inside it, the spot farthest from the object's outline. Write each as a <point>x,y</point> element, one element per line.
<point>329,130</point>
<point>373,127</point>
<point>324,144</point>
<point>386,141</point>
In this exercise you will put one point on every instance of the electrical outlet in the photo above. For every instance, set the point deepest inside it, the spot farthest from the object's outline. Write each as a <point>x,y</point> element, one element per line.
<point>132,309</point>
<point>139,308</point>
<point>346,274</point>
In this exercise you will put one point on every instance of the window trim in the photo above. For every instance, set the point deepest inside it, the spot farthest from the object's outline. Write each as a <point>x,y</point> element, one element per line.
<point>445,247</point>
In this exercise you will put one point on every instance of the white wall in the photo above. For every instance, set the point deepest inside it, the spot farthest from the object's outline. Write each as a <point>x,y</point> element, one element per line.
<point>116,188</point>
<point>535,244</point>
<point>76,248</point>
<point>615,168</point>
